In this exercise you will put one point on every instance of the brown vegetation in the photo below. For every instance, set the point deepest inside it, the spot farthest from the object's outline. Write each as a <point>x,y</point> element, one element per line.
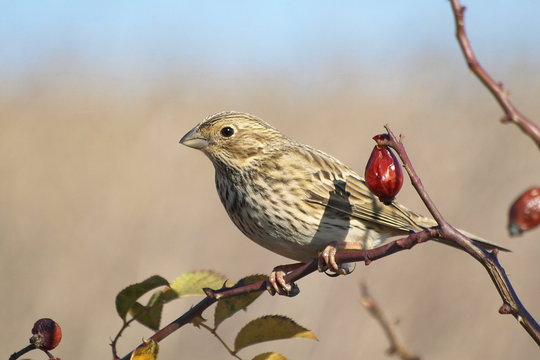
<point>96,193</point>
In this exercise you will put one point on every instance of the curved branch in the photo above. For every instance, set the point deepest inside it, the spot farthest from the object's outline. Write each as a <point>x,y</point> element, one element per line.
<point>511,113</point>
<point>511,303</point>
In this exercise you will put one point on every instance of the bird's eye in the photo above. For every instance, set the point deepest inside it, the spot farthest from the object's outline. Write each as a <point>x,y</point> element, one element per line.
<point>227,131</point>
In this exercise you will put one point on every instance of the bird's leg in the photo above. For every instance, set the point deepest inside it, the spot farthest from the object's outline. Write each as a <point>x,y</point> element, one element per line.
<point>327,260</point>
<point>276,279</point>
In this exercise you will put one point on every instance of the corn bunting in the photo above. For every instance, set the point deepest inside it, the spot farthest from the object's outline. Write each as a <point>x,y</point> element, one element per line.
<point>293,199</point>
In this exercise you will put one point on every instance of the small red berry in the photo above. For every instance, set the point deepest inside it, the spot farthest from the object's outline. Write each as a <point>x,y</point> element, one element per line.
<point>384,175</point>
<point>525,212</point>
<point>47,334</point>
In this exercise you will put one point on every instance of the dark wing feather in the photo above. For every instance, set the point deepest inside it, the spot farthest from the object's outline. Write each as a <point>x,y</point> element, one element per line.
<point>352,198</point>
<point>338,187</point>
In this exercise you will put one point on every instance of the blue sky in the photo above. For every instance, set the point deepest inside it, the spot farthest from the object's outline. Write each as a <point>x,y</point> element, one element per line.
<point>230,35</point>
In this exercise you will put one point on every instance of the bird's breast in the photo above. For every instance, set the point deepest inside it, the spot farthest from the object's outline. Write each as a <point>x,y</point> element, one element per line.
<point>272,215</point>
<point>276,215</point>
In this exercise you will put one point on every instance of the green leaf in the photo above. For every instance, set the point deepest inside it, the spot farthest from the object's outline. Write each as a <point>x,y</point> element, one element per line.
<point>127,297</point>
<point>148,351</point>
<point>228,307</point>
<point>150,315</point>
<point>168,294</point>
<point>270,327</point>
<point>192,283</point>
<point>269,356</point>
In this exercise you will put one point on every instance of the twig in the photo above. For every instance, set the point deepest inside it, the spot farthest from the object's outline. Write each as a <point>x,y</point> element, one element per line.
<point>186,318</point>
<point>511,303</point>
<point>216,335</point>
<point>21,352</point>
<point>511,113</point>
<point>397,346</point>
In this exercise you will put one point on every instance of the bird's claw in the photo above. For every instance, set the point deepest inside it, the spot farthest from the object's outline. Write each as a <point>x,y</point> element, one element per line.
<point>344,269</point>
<point>327,262</point>
<point>277,284</point>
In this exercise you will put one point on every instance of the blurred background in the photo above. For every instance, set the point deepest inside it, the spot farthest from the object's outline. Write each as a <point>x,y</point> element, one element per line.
<point>96,193</point>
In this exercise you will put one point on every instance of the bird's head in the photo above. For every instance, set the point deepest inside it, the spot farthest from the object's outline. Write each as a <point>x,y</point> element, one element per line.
<point>234,139</point>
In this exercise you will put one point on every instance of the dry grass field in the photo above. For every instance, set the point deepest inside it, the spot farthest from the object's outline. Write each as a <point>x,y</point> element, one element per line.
<point>96,193</point>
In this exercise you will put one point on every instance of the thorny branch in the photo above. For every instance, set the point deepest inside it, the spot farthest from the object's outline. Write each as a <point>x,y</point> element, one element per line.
<point>511,113</point>
<point>511,303</point>
<point>350,256</point>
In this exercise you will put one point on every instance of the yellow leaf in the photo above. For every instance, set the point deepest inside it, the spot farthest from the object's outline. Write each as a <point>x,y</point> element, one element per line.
<point>269,356</point>
<point>192,283</point>
<point>270,327</point>
<point>148,351</point>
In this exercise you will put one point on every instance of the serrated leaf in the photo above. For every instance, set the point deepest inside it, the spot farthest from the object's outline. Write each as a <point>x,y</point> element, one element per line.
<point>229,306</point>
<point>270,327</point>
<point>148,351</point>
<point>149,315</point>
<point>128,296</point>
<point>269,356</point>
<point>192,283</point>
<point>140,312</point>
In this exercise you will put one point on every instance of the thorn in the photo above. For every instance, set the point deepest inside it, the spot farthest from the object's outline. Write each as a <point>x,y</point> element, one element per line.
<point>211,293</point>
<point>505,309</point>
<point>506,118</point>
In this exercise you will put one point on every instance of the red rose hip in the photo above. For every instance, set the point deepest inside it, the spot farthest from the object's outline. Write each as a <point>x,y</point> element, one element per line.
<point>384,175</point>
<point>47,334</point>
<point>525,212</point>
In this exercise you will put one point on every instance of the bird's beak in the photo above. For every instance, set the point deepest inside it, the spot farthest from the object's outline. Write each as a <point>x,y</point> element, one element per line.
<point>194,139</point>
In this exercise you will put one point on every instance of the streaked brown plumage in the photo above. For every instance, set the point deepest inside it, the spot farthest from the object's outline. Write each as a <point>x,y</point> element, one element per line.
<point>291,198</point>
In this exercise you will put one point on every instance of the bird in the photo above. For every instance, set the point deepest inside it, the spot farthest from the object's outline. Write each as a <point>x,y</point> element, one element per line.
<point>293,199</point>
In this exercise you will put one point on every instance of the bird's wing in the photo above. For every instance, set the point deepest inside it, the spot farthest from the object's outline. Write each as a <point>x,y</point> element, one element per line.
<point>352,198</point>
<point>338,187</point>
